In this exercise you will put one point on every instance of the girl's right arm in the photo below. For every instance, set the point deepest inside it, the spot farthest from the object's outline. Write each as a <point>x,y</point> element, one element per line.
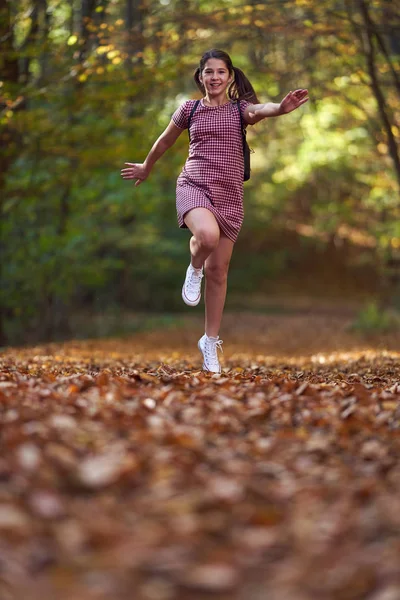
<point>140,171</point>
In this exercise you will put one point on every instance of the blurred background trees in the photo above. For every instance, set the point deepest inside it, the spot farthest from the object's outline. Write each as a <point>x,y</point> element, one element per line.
<point>86,85</point>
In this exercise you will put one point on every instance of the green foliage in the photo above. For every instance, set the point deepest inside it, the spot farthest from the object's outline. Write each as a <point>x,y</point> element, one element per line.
<point>81,96</point>
<point>373,319</point>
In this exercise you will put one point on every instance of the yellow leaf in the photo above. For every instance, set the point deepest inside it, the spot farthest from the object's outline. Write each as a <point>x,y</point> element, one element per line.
<point>103,49</point>
<point>112,54</point>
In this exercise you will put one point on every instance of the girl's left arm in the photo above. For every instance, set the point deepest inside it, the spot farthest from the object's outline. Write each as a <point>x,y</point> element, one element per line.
<point>256,112</point>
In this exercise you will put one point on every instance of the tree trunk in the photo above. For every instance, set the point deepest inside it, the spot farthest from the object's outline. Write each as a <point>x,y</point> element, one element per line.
<point>134,49</point>
<point>390,265</point>
<point>43,41</point>
<point>9,137</point>
<point>383,109</point>
<point>87,12</point>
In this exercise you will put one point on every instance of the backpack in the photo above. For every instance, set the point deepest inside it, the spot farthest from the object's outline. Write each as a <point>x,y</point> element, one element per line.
<point>246,148</point>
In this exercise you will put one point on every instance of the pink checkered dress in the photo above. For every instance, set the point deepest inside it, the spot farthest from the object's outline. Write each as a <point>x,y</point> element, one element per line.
<point>212,177</point>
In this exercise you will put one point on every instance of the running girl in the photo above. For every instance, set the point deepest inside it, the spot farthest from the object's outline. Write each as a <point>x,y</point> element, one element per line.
<point>209,192</point>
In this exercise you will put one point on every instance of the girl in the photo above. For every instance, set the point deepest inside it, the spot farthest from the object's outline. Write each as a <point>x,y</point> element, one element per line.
<point>209,196</point>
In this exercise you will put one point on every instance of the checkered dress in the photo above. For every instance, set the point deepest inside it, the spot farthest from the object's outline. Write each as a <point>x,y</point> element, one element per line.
<point>212,177</point>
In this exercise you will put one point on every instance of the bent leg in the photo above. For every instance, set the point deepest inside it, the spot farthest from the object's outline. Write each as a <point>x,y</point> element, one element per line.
<point>206,234</point>
<point>216,270</point>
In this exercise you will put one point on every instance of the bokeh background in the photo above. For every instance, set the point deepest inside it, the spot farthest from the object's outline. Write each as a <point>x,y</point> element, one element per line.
<point>86,85</point>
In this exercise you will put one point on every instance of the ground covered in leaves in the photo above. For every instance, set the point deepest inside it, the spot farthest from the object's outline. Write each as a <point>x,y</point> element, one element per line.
<point>127,473</point>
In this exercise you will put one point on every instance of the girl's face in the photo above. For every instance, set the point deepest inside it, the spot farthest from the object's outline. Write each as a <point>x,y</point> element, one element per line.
<point>215,77</point>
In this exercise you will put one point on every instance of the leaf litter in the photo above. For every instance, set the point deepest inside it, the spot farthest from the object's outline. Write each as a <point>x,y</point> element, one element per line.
<point>133,474</point>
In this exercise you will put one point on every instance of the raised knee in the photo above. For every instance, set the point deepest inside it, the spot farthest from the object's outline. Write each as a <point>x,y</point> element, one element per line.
<point>207,239</point>
<point>217,273</point>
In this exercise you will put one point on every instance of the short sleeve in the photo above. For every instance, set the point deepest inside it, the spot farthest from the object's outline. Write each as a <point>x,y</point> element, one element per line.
<point>243,105</point>
<point>181,117</point>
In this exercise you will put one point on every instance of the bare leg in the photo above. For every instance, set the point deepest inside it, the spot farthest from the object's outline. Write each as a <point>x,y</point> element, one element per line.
<point>205,230</point>
<point>216,270</point>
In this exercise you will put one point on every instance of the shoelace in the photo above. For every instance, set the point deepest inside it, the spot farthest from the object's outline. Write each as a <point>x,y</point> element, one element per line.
<point>193,281</point>
<point>210,352</point>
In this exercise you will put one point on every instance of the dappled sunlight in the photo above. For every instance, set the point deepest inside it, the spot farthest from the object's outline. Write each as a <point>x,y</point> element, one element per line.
<point>311,342</point>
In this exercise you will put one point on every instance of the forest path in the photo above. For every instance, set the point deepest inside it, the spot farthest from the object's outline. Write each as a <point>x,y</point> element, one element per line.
<point>126,472</point>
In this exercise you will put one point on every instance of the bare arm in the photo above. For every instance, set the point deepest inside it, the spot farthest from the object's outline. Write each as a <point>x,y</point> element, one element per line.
<point>256,112</point>
<point>140,171</point>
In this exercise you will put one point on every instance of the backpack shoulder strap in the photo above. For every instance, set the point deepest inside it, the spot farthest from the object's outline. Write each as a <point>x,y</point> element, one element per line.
<point>241,117</point>
<point>242,127</point>
<point>195,105</point>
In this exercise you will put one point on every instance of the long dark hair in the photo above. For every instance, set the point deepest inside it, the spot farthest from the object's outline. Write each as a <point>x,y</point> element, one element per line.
<point>239,89</point>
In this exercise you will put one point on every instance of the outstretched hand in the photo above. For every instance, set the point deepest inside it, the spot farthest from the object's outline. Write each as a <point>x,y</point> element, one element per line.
<point>293,100</point>
<point>135,171</point>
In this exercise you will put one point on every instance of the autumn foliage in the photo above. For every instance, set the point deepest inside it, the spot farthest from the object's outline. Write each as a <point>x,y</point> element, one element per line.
<point>126,472</point>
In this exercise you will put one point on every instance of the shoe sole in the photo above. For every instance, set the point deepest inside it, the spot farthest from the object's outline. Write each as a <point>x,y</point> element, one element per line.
<point>187,301</point>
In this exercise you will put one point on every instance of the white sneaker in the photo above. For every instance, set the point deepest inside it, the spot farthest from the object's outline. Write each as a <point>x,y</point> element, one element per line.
<point>208,346</point>
<point>191,290</point>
